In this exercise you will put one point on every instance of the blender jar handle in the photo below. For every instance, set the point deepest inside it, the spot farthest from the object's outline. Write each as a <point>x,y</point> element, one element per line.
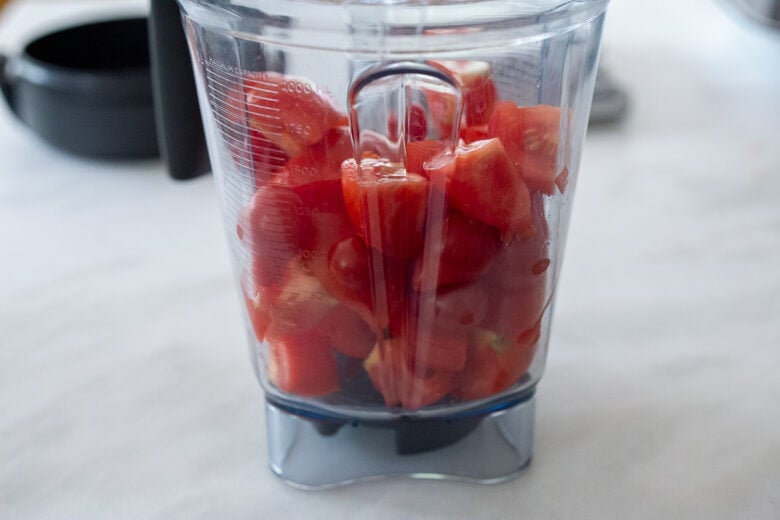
<point>179,124</point>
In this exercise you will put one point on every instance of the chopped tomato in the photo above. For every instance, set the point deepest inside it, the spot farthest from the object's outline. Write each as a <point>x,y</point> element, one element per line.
<point>480,378</point>
<point>283,221</point>
<point>348,333</point>
<point>482,184</point>
<point>419,152</point>
<point>289,111</point>
<point>269,228</point>
<point>300,305</point>
<point>479,101</point>
<point>463,253</point>
<point>416,127</point>
<point>562,180</point>
<point>513,312</point>
<point>460,307</point>
<point>447,313</point>
<point>388,284</point>
<point>302,366</point>
<point>267,158</point>
<point>469,134</point>
<point>389,371</point>
<point>429,271</point>
<point>364,280</point>
<point>349,271</point>
<point>530,136</point>
<point>442,107</point>
<point>387,205</point>
<point>436,352</point>
<point>322,160</point>
<point>259,155</point>
<point>495,363</point>
<point>479,91</point>
<point>259,316</point>
<point>525,260</point>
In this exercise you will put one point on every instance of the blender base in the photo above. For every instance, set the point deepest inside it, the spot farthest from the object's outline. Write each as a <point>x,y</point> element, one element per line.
<point>315,453</point>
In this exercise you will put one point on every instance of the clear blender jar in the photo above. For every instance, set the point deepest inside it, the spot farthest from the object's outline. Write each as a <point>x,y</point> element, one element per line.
<point>396,180</point>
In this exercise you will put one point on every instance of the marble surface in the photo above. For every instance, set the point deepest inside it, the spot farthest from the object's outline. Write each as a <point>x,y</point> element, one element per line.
<point>125,386</point>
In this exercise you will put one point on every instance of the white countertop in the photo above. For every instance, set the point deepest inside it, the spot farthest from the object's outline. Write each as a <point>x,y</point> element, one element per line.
<point>126,390</point>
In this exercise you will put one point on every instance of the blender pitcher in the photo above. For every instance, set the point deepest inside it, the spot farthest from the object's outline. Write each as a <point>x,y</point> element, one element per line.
<point>396,181</point>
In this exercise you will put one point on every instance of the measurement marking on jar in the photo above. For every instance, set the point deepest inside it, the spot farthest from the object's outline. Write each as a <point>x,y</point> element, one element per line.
<point>231,84</point>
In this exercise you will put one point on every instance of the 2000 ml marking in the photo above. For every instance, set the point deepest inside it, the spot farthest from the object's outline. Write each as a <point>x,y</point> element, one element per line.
<point>295,86</point>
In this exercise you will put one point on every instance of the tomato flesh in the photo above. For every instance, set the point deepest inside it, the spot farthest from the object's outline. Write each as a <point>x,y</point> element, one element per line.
<point>322,160</point>
<point>259,316</point>
<point>479,90</point>
<point>348,333</point>
<point>495,363</point>
<point>269,227</point>
<point>289,111</point>
<point>530,136</point>
<point>400,385</point>
<point>420,152</point>
<point>463,253</point>
<point>300,365</point>
<point>387,205</point>
<point>416,125</point>
<point>482,184</point>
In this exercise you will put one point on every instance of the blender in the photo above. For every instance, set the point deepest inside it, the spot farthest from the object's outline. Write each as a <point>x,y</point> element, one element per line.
<point>396,181</point>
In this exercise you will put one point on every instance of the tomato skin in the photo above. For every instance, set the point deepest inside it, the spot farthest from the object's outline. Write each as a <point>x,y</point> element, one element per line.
<point>530,136</point>
<point>464,253</point>
<point>289,111</point>
<point>302,365</point>
<point>389,371</point>
<point>386,204</point>
<point>481,183</point>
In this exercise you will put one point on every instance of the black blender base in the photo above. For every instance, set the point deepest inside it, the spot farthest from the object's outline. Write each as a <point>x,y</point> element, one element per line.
<point>317,453</point>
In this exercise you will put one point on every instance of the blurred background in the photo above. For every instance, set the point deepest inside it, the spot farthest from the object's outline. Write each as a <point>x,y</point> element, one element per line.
<point>125,388</point>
